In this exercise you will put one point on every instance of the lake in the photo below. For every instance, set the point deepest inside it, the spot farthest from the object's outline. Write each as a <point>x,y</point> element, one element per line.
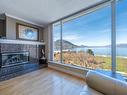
<point>120,51</point>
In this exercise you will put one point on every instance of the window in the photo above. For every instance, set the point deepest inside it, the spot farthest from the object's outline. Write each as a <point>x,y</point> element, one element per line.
<point>121,37</point>
<point>57,41</point>
<point>86,40</point>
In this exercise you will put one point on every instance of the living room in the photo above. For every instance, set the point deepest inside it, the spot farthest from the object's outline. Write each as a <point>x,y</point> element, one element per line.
<point>62,47</point>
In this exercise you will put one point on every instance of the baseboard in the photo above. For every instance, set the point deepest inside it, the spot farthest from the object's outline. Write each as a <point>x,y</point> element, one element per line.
<point>73,70</point>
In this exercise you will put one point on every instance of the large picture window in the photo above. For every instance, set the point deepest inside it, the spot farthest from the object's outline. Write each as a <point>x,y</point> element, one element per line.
<point>57,42</point>
<point>86,40</point>
<point>121,37</point>
<point>89,40</point>
<point>85,44</point>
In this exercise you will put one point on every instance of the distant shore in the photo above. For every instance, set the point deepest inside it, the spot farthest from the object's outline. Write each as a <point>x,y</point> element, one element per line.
<point>97,55</point>
<point>110,56</point>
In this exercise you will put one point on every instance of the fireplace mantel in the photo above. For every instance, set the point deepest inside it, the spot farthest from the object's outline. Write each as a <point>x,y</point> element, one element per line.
<point>21,42</point>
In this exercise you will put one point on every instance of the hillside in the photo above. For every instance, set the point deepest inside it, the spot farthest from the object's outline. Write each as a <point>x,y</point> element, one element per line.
<point>66,45</point>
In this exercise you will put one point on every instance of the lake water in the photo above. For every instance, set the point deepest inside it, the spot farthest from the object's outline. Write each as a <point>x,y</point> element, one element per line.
<point>120,51</point>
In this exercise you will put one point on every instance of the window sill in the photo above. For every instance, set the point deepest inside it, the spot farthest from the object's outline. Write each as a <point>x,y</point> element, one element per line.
<point>70,69</point>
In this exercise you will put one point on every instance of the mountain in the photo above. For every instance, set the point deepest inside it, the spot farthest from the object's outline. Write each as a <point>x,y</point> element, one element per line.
<point>66,45</point>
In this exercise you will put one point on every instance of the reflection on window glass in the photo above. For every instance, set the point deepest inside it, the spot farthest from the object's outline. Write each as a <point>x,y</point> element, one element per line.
<point>56,41</point>
<point>121,37</point>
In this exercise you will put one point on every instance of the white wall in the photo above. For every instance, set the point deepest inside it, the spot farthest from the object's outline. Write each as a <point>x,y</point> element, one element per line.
<point>47,39</point>
<point>11,28</point>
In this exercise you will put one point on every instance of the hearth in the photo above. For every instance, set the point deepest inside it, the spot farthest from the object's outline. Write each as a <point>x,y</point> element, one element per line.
<point>13,58</point>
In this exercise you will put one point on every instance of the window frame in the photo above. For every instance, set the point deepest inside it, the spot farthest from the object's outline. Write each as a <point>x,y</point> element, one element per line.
<point>86,11</point>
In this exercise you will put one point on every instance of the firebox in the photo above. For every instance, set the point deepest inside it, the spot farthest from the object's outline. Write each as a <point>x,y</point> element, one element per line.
<point>13,58</point>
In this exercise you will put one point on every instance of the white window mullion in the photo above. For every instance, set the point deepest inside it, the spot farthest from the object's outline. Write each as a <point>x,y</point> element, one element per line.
<point>113,35</point>
<point>61,30</point>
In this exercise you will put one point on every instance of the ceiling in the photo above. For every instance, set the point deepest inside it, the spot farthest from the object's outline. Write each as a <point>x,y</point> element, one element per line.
<point>43,12</point>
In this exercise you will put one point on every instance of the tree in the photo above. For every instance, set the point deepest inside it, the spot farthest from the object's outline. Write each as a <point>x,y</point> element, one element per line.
<point>89,51</point>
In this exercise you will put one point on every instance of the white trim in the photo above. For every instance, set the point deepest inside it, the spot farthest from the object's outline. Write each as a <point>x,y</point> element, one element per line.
<point>69,65</point>
<point>50,44</point>
<point>70,69</point>
<point>61,41</point>
<point>113,35</point>
<point>21,42</point>
<point>24,20</point>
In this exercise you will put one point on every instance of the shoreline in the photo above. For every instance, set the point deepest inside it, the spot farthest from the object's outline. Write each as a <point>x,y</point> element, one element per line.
<point>110,56</point>
<point>98,55</point>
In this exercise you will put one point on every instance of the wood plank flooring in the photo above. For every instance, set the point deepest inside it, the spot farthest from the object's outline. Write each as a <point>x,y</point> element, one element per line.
<point>43,82</point>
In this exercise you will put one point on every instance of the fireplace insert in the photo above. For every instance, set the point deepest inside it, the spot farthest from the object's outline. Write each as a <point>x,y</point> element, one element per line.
<point>13,58</point>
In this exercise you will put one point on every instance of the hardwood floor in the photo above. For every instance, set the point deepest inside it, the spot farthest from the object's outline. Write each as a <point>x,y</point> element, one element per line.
<point>43,82</point>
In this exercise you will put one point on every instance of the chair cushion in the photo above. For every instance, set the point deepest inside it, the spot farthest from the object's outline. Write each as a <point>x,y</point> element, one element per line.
<point>89,91</point>
<point>105,84</point>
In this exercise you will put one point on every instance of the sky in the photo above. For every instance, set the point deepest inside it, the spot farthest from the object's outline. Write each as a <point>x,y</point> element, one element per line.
<point>94,29</point>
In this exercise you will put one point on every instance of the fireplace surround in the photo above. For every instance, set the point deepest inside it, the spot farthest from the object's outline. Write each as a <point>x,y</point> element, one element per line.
<point>13,58</point>
<point>18,57</point>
